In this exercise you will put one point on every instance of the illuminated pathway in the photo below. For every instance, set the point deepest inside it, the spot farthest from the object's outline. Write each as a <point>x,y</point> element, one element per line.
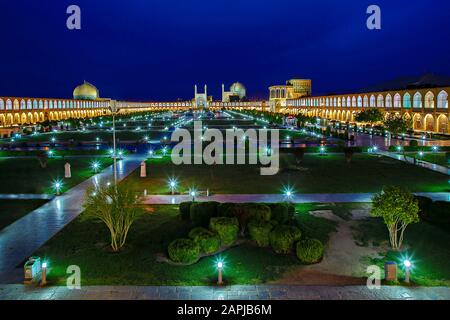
<point>249,292</point>
<point>20,239</point>
<point>275,198</point>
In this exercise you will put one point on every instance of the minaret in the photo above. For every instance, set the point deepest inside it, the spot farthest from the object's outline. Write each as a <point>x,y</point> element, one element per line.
<point>195,88</point>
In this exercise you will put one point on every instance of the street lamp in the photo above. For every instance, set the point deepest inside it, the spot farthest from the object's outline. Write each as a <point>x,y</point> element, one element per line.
<point>193,193</point>
<point>95,165</point>
<point>44,274</point>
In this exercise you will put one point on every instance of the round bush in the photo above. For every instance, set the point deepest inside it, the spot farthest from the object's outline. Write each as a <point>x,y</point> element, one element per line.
<point>225,210</point>
<point>183,251</point>
<point>283,237</point>
<point>279,212</point>
<point>259,232</point>
<point>185,210</point>
<point>226,228</point>
<point>202,212</point>
<point>207,240</point>
<point>310,251</point>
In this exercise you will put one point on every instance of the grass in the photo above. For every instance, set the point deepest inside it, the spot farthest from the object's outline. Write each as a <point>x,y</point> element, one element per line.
<point>13,210</point>
<point>56,153</point>
<point>84,243</point>
<point>318,174</point>
<point>26,175</point>
<point>426,246</point>
<point>436,158</point>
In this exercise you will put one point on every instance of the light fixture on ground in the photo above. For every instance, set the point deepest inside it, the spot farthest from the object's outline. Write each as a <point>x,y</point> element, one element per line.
<point>173,185</point>
<point>95,165</point>
<point>57,185</point>
<point>44,274</point>
<point>408,265</point>
<point>193,194</point>
<point>219,273</point>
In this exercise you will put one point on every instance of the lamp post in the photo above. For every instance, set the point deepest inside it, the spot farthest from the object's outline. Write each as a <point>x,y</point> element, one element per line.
<point>219,273</point>
<point>114,110</point>
<point>57,185</point>
<point>173,185</point>
<point>407,265</point>
<point>44,274</point>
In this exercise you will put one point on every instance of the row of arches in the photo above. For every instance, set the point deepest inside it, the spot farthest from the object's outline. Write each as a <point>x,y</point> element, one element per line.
<point>29,118</point>
<point>421,122</point>
<point>429,100</point>
<point>44,104</point>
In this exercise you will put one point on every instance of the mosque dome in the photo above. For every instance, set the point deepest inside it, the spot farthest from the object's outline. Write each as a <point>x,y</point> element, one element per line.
<point>85,91</point>
<point>239,89</point>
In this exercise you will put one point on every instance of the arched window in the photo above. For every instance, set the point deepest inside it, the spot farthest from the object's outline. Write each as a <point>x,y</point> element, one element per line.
<point>334,103</point>
<point>388,101</point>
<point>59,104</point>
<point>380,101</point>
<point>45,104</point>
<point>407,101</point>
<point>443,100</point>
<point>397,101</point>
<point>41,104</point>
<point>2,105</point>
<point>22,105</point>
<point>16,104</point>
<point>339,101</point>
<point>29,105</point>
<point>344,102</point>
<point>366,101</point>
<point>417,102</point>
<point>349,102</point>
<point>8,104</point>
<point>429,100</point>
<point>372,101</point>
<point>35,104</point>
<point>359,101</point>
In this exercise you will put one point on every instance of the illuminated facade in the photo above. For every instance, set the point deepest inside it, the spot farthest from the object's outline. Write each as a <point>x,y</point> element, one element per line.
<point>293,89</point>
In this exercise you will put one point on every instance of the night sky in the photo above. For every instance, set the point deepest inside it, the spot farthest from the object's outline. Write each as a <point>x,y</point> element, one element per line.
<point>158,49</point>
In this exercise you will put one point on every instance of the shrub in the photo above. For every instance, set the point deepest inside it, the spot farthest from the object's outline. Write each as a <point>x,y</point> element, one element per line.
<point>226,228</point>
<point>245,212</point>
<point>279,212</point>
<point>413,143</point>
<point>310,251</point>
<point>439,212</point>
<point>202,212</point>
<point>225,209</point>
<point>183,251</point>
<point>259,232</point>
<point>424,205</point>
<point>291,210</point>
<point>185,210</point>
<point>283,237</point>
<point>207,240</point>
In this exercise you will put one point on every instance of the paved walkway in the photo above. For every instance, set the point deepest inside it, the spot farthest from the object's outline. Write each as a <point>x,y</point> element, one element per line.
<point>21,196</point>
<point>275,198</point>
<point>259,292</point>
<point>420,163</point>
<point>20,239</point>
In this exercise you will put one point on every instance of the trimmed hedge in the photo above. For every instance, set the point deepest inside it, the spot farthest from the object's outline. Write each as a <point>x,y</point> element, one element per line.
<point>202,212</point>
<point>226,228</point>
<point>183,251</point>
<point>245,212</point>
<point>259,231</point>
<point>283,237</point>
<point>310,251</point>
<point>225,209</point>
<point>208,241</point>
<point>424,205</point>
<point>185,210</point>
<point>280,212</point>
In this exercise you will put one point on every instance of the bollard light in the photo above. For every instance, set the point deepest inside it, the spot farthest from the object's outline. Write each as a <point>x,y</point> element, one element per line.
<point>173,185</point>
<point>44,274</point>
<point>95,165</point>
<point>57,185</point>
<point>408,265</point>
<point>219,273</point>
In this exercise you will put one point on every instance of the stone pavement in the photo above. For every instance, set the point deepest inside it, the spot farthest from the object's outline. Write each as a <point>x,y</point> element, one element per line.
<point>249,292</point>
<point>420,163</point>
<point>19,196</point>
<point>20,239</point>
<point>274,198</point>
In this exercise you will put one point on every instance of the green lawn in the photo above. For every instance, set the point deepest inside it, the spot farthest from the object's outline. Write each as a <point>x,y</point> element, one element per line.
<point>84,243</point>
<point>437,158</point>
<point>318,174</point>
<point>426,246</point>
<point>25,175</point>
<point>12,210</point>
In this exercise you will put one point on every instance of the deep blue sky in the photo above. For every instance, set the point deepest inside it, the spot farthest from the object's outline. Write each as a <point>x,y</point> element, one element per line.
<point>158,49</point>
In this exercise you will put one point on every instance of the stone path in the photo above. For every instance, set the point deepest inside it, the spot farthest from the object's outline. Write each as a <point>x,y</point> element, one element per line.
<point>20,239</point>
<point>14,196</point>
<point>274,198</point>
<point>420,163</point>
<point>259,292</point>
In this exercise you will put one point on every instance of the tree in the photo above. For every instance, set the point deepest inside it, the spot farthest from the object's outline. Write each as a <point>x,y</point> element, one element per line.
<point>395,124</point>
<point>398,208</point>
<point>117,208</point>
<point>369,116</point>
<point>43,159</point>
